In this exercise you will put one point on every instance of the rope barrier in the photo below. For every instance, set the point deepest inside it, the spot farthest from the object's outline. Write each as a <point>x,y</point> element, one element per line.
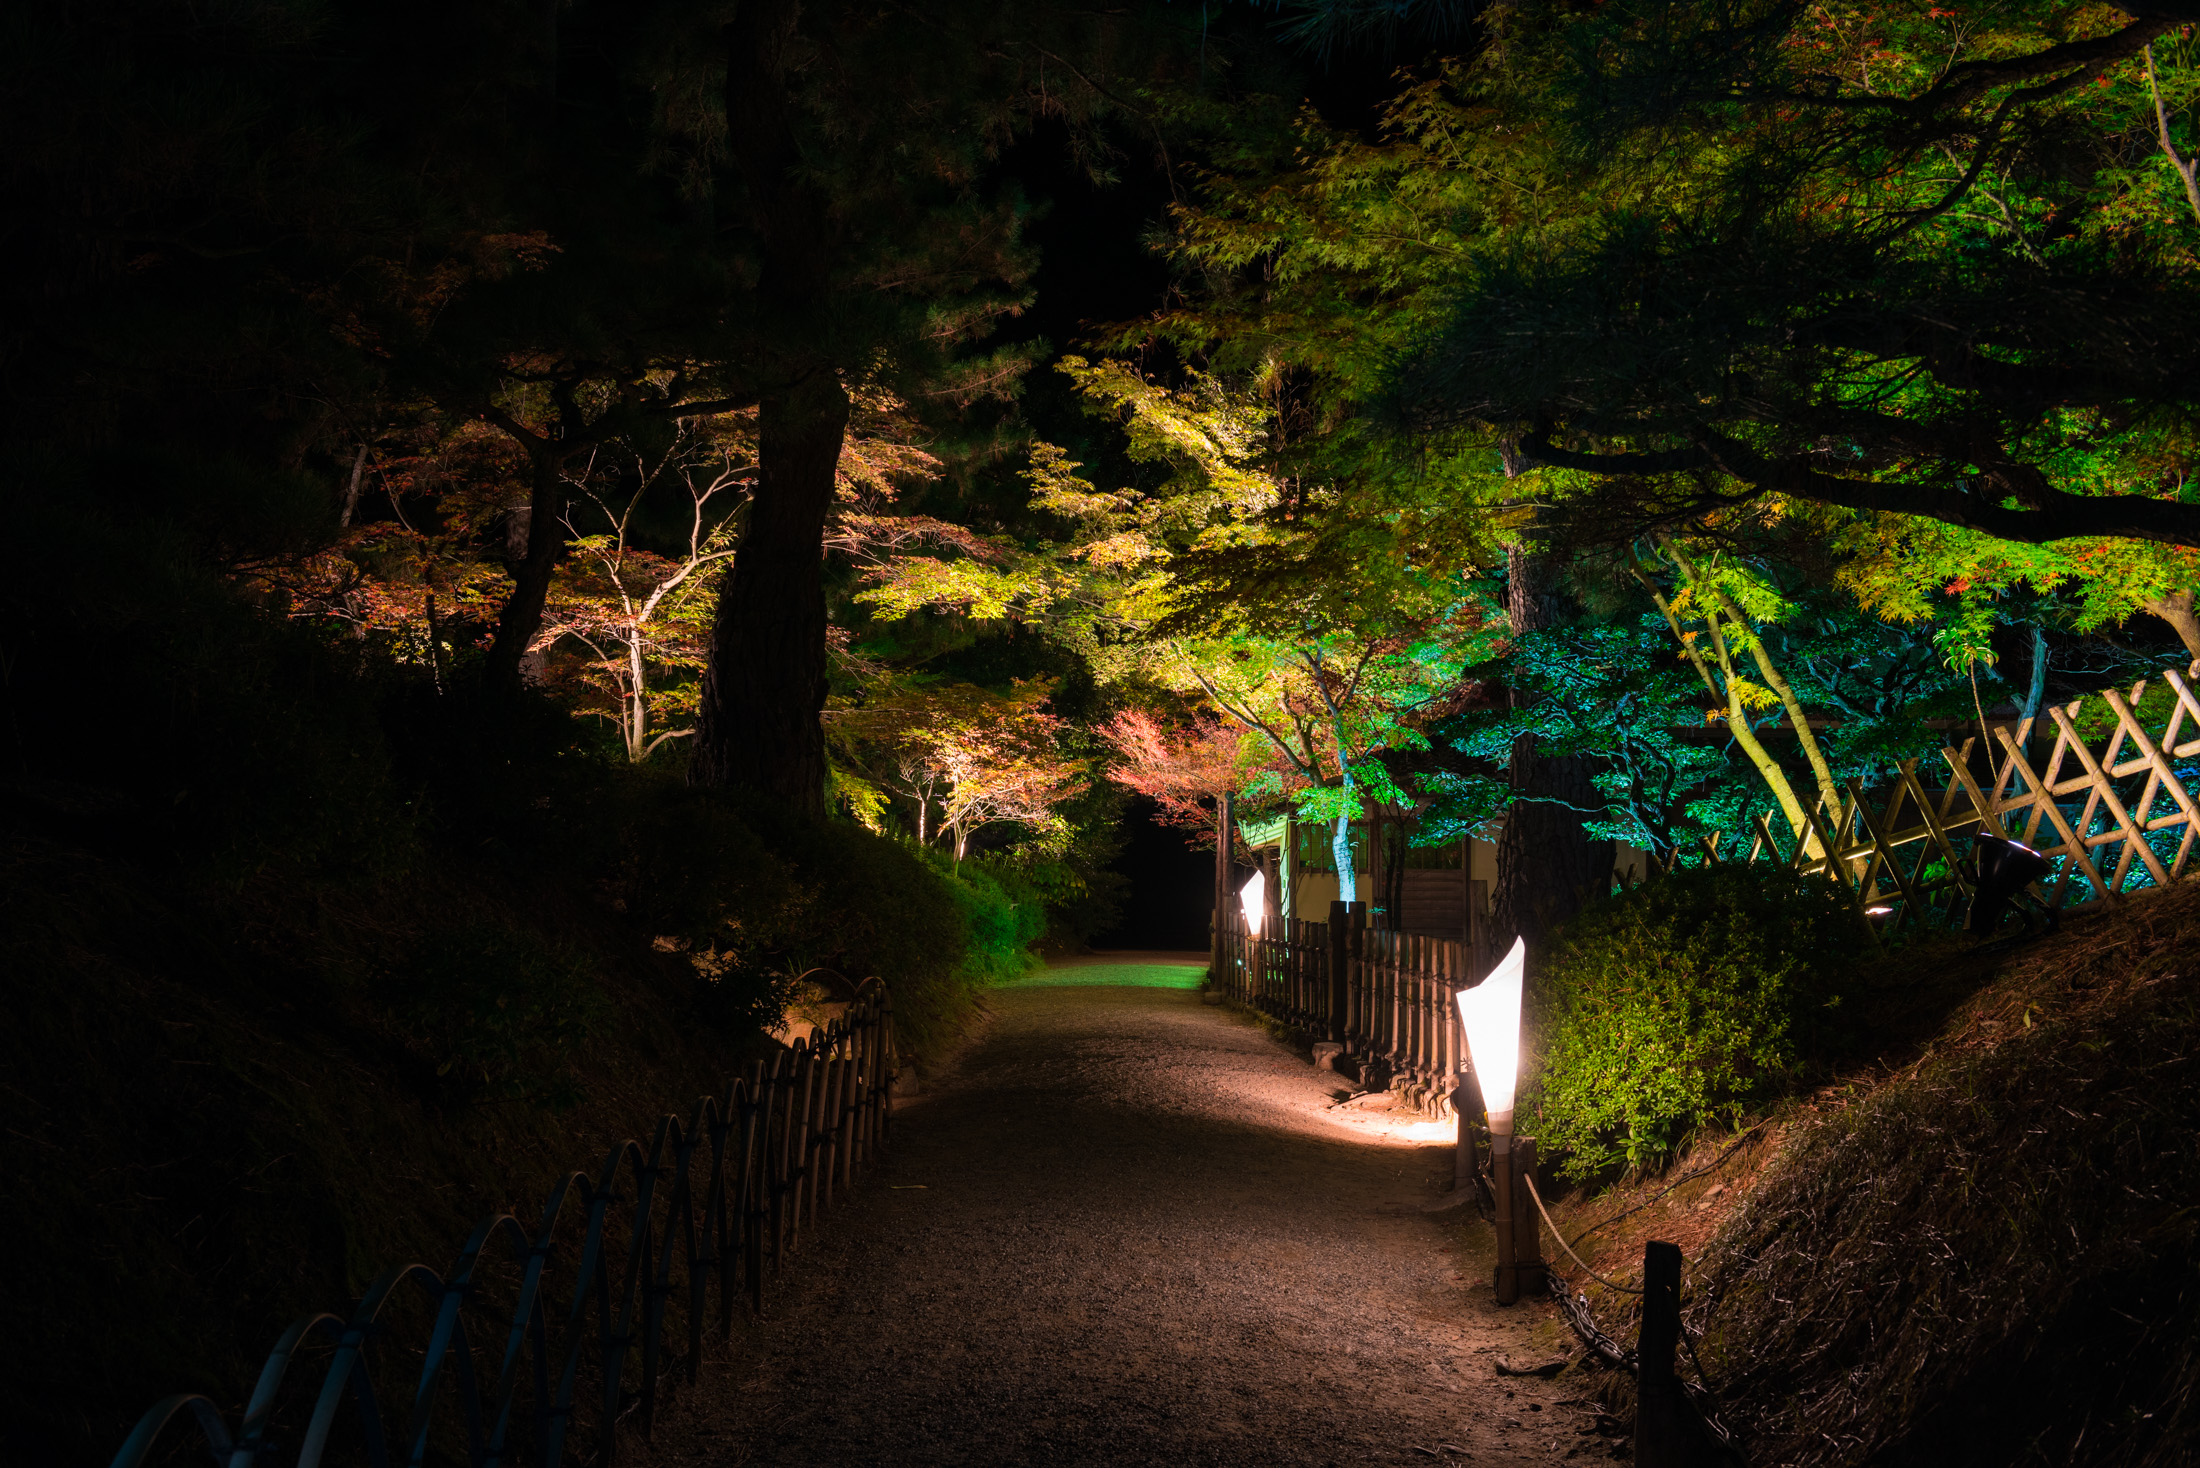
<point>1712,1166</point>
<point>1576,1310</point>
<point>1569,1248</point>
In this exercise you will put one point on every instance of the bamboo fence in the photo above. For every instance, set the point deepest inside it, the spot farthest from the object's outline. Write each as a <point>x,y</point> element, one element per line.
<point>1385,996</point>
<point>2111,808</point>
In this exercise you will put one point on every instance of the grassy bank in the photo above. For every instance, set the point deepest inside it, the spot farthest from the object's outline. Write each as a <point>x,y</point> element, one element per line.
<point>1980,1248</point>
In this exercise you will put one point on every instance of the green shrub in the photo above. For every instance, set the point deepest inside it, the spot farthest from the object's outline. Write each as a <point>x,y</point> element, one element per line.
<point>1006,913</point>
<point>756,897</point>
<point>1685,1002</point>
<point>1078,897</point>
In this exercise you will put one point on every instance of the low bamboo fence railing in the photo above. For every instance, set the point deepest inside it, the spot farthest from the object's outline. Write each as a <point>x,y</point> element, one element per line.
<point>1284,973</point>
<point>540,1342</point>
<point>1386,997</point>
<point>1401,1012</point>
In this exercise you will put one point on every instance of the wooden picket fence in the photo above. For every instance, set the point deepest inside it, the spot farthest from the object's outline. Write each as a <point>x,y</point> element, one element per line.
<point>2111,808</point>
<point>1283,973</point>
<point>1387,997</point>
<point>1400,1011</point>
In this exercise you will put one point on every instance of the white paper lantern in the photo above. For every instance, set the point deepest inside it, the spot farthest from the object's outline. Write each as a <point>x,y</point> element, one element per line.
<point>1490,1014</point>
<point>1254,895</point>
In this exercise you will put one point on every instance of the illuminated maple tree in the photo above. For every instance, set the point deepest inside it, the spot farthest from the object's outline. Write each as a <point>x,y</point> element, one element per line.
<point>1185,770</point>
<point>965,758</point>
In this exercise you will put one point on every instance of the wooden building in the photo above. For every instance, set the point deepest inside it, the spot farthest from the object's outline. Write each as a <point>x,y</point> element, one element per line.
<point>1441,891</point>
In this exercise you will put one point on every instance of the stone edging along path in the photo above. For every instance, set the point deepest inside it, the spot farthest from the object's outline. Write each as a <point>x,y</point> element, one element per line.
<point>1127,1228</point>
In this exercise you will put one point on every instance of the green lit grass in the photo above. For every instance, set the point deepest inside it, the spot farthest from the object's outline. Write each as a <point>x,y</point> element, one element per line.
<point>1132,975</point>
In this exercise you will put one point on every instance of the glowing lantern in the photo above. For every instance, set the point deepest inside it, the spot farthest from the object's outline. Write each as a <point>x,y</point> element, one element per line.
<point>1254,896</point>
<point>1490,1014</point>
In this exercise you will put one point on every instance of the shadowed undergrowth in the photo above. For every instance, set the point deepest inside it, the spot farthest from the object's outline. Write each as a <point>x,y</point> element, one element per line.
<point>313,963</point>
<point>1990,1257</point>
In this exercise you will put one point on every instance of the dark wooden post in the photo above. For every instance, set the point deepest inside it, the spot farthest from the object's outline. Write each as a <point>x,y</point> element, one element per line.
<point>1301,989</point>
<point>1658,1437</point>
<point>1466,894</point>
<point>1504,1183</point>
<point>1377,914</point>
<point>1340,922</point>
<point>1519,1242</point>
<point>1215,977</point>
<point>1355,971</point>
<point>1528,1238</point>
<point>1466,1102</point>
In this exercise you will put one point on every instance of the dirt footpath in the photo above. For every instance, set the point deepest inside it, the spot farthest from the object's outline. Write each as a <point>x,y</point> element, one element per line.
<point>1133,1229</point>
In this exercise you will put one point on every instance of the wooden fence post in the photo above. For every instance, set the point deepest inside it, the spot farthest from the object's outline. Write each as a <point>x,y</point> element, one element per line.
<point>1528,1241</point>
<point>1466,1103</point>
<point>1659,1440</point>
<point>1339,921</point>
<point>1478,902</point>
<point>1355,974</point>
<point>1504,1182</point>
<point>1222,891</point>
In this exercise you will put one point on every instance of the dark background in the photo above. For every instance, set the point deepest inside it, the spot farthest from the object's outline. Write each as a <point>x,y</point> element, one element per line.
<point>1170,886</point>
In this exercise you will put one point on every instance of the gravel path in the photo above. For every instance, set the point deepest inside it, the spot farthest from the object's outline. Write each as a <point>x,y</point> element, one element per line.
<point>1132,1229</point>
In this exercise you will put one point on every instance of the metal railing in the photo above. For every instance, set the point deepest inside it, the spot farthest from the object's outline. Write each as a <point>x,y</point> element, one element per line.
<point>534,1339</point>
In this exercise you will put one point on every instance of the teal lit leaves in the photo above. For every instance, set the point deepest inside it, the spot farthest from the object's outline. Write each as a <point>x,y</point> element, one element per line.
<point>1613,692</point>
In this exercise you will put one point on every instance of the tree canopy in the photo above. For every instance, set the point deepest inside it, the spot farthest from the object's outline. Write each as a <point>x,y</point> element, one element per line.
<point>1640,416</point>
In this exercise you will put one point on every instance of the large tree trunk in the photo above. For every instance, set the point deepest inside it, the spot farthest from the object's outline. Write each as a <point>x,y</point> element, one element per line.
<point>522,616</point>
<point>766,680</point>
<point>2177,610</point>
<point>1547,867</point>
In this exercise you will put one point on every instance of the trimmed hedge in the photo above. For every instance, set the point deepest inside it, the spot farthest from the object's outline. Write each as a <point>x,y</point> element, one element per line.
<point>1684,1003</point>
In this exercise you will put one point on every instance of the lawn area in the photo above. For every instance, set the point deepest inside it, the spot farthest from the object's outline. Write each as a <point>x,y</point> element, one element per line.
<point>1143,973</point>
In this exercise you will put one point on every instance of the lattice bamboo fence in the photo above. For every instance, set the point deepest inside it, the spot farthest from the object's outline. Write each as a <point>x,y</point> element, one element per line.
<point>2112,808</point>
